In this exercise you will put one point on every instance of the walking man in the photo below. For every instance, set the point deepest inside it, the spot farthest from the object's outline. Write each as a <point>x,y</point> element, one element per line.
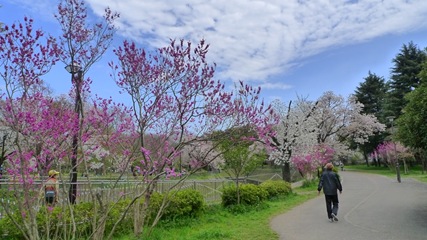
<point>331,184</point>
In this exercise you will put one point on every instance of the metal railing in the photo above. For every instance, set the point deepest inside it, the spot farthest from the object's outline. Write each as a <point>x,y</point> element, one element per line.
<point>112,191</point>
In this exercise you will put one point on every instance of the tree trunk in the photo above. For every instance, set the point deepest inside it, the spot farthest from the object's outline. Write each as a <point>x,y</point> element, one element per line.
<point>366,159</point>
<point>405,166</point>
<point>286,172</point>
<point>424,166</point>
<point>99,230</point>
<point>420,158</point>
<point>137,221</point>
<point>238,191</point>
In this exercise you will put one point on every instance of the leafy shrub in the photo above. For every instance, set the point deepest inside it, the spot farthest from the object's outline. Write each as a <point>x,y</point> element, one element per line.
<point>51,221</point>
<point>115,214</point>
<point>183,203</point>
<point>250,194</point>
<point>8,228</point>
<point>187,202</point>
<point>276,188</point>
<point>309,183</point>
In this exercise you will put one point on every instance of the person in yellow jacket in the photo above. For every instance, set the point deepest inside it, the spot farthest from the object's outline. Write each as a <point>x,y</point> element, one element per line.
<point>50,189</point>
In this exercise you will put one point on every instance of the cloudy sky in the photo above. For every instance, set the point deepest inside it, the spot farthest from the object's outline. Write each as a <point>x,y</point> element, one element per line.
<point>289,47</point>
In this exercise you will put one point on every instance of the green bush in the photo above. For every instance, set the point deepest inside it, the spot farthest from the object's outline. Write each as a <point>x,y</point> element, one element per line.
<point>309,183</point>
<point>185,203</point>
<point>114,214</point>
<point>276,188</point>
<point>52,219</point>
<point>8,228</point>
<point>55,219</point>
<point>250,194</point>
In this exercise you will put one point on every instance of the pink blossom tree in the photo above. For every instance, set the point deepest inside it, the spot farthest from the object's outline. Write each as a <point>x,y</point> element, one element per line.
<point>176,106</point>
<point>391,153</point>
<point>39,126</point>
<point>81,45</point>
<point>176,101</point>
<point>308,162</point>
<point>24,58</point>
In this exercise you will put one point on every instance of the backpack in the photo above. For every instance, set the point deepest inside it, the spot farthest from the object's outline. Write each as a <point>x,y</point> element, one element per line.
<point>50,189</point>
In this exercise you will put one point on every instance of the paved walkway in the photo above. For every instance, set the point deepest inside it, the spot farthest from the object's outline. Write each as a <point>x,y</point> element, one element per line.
<point>372,207</point>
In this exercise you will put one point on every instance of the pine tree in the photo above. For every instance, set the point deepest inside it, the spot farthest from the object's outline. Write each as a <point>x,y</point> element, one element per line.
<point>371,94</point>
<point>404,78</point>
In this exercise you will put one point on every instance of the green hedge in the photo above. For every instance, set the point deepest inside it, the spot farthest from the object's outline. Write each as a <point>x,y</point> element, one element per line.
<point>276,188</point>
<point>183,203</point>
<point>250,194</point>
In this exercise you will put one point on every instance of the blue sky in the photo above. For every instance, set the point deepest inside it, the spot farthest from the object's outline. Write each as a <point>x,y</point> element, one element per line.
<point>289,48</point>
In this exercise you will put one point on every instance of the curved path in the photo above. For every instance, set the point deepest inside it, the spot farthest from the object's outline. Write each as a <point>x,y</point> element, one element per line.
<point>371,207</point>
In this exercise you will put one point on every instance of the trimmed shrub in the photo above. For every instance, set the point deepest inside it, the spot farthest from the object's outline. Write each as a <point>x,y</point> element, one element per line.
<point>187,203</point>
<point>276,188</point>
<point>250,194</point>
<point>183,203</point>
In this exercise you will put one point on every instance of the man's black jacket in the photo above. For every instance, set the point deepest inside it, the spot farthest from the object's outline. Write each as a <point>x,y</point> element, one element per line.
<point>330,183</point>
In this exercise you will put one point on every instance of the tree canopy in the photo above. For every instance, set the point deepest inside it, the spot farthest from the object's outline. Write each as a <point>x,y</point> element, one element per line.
<point>404,78</point>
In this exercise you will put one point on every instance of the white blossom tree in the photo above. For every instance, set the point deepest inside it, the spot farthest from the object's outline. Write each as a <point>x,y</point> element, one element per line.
<point>331,120</point>
<point>339,120</point>
<point>296,128</point>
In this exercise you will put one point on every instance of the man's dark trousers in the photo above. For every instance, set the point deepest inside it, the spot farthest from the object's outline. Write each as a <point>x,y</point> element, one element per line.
<point>331,204</point>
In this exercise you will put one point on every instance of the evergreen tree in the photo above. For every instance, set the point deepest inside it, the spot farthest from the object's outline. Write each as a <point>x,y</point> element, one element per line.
<point>371,94</point>
<point>404,77</point>
<point>412,128</point>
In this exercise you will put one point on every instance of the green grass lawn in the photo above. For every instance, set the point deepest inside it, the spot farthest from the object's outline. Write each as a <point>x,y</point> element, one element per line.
<point>413,172</point>
<point>219,223</point>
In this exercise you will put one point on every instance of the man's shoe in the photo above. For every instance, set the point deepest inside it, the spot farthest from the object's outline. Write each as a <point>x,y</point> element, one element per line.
<point>334,217</point>
<point>331,220</point>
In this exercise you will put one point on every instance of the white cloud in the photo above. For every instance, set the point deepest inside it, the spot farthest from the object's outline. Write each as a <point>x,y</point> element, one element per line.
<point>252,40</point>
<point>275,86</point>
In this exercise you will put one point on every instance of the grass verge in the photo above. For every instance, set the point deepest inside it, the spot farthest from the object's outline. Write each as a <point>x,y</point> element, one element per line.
<point>413,172</point>
<point>238,224</point>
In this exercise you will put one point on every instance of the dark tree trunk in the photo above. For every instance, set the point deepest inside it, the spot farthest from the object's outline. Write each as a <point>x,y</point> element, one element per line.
<point>366,159</point>
<point>286,172</point>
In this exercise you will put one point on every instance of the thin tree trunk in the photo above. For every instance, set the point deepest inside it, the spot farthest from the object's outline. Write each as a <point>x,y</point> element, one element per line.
<point>366,159</point>
<point>238,191</point>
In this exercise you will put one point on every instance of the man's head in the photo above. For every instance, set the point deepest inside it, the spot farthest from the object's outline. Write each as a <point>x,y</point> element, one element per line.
<point>329,166</point>
<point>53,173</point>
